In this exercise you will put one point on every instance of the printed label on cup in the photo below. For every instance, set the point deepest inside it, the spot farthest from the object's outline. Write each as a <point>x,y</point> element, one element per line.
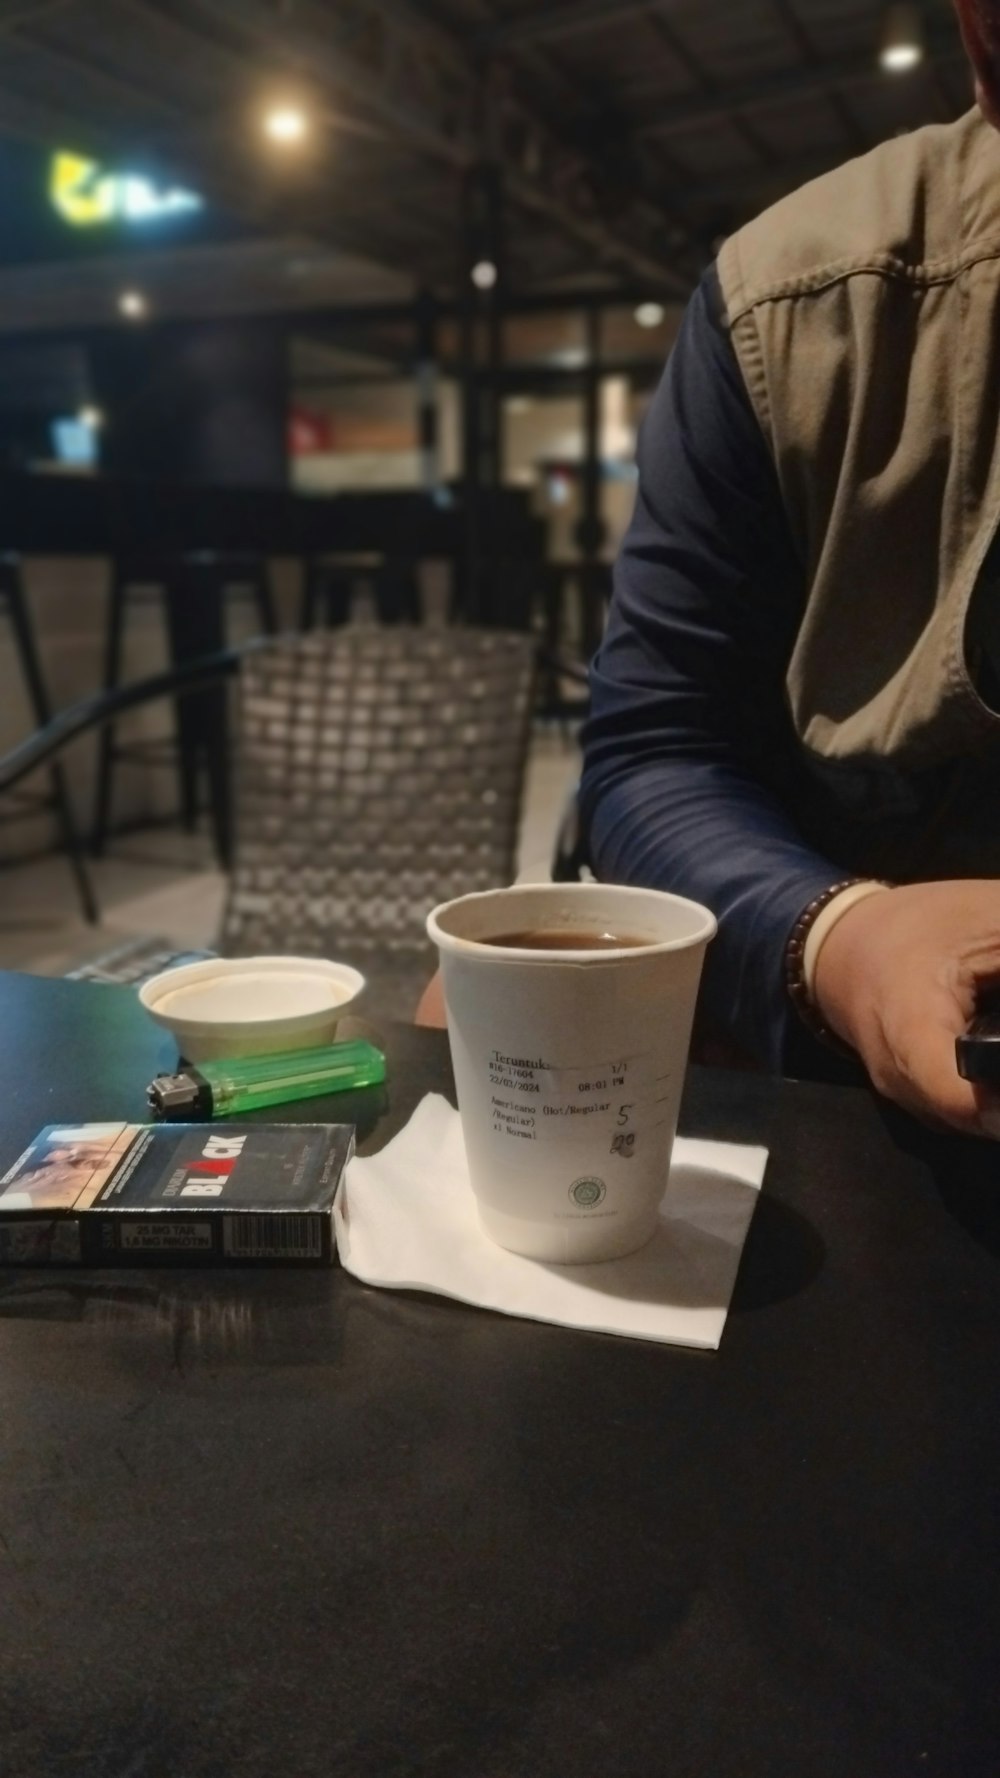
<point>605,1106</point>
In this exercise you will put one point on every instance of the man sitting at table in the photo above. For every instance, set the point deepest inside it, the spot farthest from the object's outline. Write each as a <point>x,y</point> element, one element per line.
<point>799,690</point>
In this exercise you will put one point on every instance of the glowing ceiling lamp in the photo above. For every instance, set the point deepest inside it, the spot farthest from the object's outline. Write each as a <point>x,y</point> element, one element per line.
<point>902,45</point>
<point>287,125</point>
<point>650,314</point>
<point>133,305</point>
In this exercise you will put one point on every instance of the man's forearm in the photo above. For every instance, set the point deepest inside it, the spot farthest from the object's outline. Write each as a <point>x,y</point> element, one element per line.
<point>708,832</point>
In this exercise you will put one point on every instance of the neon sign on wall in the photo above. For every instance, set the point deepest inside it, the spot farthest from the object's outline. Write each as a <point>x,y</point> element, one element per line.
<point>85,195</point>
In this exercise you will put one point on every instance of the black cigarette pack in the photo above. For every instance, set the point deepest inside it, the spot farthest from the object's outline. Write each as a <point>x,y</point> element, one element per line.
<point>174,1194</point>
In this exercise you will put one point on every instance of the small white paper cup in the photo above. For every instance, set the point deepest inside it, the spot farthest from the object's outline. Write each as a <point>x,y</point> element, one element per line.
<point>569,1064</point>
<point>251,1006</point>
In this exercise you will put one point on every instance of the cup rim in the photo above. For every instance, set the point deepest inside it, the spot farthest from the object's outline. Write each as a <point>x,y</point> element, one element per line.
<point>168,981</point>
<point>456,945</point>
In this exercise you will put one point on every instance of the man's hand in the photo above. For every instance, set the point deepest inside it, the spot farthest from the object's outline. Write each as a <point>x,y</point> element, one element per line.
<point>897,979</point>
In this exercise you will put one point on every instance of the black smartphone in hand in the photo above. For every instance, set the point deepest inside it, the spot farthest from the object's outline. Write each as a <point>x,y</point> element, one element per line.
<point>977,1051</point>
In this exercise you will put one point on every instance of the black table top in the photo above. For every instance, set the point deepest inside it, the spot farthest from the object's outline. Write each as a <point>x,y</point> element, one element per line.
<point>271,1524</point>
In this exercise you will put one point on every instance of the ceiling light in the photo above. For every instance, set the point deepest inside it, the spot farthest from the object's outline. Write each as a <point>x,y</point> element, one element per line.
<point>902,42</point>
<point>91,417</point>
<point>286,124</point>
<point>484,274</point>
<point>650,314</point>
<point>133,304</point>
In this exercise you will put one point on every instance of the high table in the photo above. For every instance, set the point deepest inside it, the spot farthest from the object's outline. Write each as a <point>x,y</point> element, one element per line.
<point>271,1524</point>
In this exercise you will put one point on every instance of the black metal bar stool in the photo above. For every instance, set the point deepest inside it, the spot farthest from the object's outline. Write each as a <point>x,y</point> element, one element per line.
<point>14,606</point>
<point>328,588</point>
<point>193,590</point>
<point>331,583</point>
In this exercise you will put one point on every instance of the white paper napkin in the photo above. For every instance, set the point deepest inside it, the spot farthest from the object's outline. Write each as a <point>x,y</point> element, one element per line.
<point>406,1220</point>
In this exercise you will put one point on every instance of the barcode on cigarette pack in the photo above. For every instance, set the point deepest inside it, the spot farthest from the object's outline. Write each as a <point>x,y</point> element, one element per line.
<point>272,1237</point>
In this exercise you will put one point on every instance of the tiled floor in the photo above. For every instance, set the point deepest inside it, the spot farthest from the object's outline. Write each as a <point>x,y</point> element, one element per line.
<point>162,882</point>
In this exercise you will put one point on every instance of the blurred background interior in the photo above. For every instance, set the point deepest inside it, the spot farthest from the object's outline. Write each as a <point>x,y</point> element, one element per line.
<point>331,317</point>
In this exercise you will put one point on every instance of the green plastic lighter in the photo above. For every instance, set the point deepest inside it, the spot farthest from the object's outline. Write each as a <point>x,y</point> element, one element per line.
<point>248,1083</point>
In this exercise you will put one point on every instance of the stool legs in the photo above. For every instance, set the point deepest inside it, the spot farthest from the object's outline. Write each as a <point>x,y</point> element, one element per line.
<point>193,588</point>
<point>106,739</point>
<point>397,594</point>
<point>264,599</point>
<point>195,619</point>
<point>24,639</point>
<point>329,590</point>
<point>310,594</point>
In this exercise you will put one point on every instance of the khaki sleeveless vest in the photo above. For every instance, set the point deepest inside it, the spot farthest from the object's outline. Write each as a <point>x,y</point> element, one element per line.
<point>865,315</point>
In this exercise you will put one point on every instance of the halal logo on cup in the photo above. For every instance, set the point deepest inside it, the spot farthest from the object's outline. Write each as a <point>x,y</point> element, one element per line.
<point>588,1192</point>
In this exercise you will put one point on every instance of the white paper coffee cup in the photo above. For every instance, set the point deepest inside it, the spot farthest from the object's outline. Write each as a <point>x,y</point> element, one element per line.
<point>569,1064</point>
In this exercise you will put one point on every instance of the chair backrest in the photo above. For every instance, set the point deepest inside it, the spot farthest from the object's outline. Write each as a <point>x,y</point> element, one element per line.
<point>378,771</point>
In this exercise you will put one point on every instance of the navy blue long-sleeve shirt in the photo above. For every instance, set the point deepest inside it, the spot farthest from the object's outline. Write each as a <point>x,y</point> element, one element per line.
<point>689,756</point>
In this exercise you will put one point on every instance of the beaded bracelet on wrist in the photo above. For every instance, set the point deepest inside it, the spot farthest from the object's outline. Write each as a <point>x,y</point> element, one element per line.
<point>795,950</point>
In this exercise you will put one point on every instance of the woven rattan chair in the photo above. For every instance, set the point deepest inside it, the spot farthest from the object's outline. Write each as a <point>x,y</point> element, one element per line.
<point>377,771</point>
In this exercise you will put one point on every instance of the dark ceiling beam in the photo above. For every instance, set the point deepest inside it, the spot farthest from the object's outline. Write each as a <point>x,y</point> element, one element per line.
<point>72,66</point>
<point>420,82</point>
<point>676,115</point>
<point>22,12</point>
<point>568,18</point>
<point>330,321</point>
<point>698,74</point>
<point>737,189</point>
<point>811,56</point>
